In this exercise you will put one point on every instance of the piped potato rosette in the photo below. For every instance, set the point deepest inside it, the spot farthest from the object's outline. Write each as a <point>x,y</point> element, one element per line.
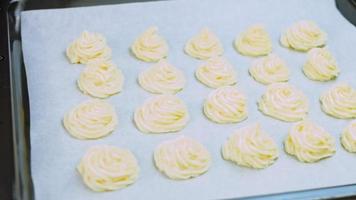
<point>91,119</point>
<point>251,147</point>
<point>88,47</point>
<point>339,101</point>
<point>284,102</point>
<point>309,142</point>
<point>150,46</point>
<point>204,45</point>
<point>107,168</point>
<point>162,78</point>
<point>226,105</point>
<point>161,114</point>
<point>182,158</point>
<point>303,36</point>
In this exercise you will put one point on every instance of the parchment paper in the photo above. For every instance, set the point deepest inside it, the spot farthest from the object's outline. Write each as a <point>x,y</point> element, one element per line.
<point>53,92</point>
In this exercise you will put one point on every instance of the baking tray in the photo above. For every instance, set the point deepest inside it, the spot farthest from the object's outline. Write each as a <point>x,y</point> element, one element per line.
<point>22,183</point>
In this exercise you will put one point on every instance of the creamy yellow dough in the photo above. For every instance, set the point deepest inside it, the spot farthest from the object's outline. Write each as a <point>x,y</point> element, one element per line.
<point>348,137</point>
<point>150,46</point>
<point>309,142</point>
<point>251,147</point>
<point>320,65</point>
<point>101,79</point>
<point>107,168</point>
<point>339,101</point>
<point>216,72</point>
<point>88,47</point>
<point>162,78</point>
<point>182,158</point>
<point>255,41</point>
<point>161,114</point>
<point>204,45</point>
<point>303,36</point>
<point>226,105</point>
<point>284,102</point>
<point>91,120</point>
<point>269,69</point>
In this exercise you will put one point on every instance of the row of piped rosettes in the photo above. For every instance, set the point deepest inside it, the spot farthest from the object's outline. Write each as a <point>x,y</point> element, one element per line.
<point>103,167</point>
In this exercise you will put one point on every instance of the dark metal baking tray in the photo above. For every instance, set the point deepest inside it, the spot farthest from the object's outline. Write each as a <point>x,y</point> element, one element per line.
<point>16,182</point>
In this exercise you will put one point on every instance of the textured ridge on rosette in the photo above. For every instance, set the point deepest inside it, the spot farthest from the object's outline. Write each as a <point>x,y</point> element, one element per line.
<point>255,41</point>
<point>320,65</point>
<point>204,45</point>
<point>162,78</point>
<point>216,72</point>
<point>182,158</point>
<point>91,119</point>
<point>150,46</point>
<point>284,102</point>
<point>226,105</point>
<point>161,114</point>
<point>251,147</point>
<point>339,101</point>
<point>101,79</point>
<point>303,35</point>
<point>348,137</point>
<point>309,142</point>
<point>88,47</point>
<point>108,168</point>
<point>269,69</point>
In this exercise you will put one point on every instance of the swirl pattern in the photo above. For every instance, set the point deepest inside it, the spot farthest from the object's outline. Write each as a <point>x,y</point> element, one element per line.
<point>255,41</point>
<point>88,47</point>
<point>284,102</point>
<point>303,35</point>
<point>320,65</point>
<point>91,120</point>
<point>204,45</point>
<point>162,78</point>
<point>101,79</point>
<point>339,101</point>
<point>149,46</point>
<point>226,105</point>
<point>161,114</point>
<point>309,142</point>
<point>348,137</point>
<point>182,158</point>
<point>216,72</point>
<point>250,147</point>
<point>108,168</point>
<point>269,69</point>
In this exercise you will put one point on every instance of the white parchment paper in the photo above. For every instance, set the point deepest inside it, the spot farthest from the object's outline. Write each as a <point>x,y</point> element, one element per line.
<point>53,92</point>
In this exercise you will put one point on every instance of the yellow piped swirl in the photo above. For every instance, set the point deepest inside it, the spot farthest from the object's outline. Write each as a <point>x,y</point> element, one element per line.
<point>303,36</point>
<point>226,105</point>
<point>255,41</point>
<point>309,142</point>
<point>91,119</point>
<point>88,47</point>
<point>182,158</point>
<point>150,46</point>
<point>204,45</point>
<point>284,102</point>
<point>161,114</point>
<point>250,147</point>
<point>339,101</point>
<point>348,137</point>
<point>101,79</point>
<point>107,168</point>
<point>269,69</point>
<point>216,72</point>
<point>162,78</point>
<point>320,65</point>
